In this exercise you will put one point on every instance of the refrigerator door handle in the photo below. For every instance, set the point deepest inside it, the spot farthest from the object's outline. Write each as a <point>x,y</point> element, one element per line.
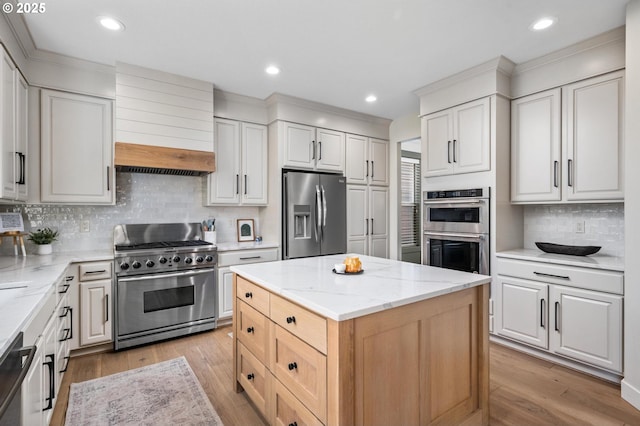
<point>318,212</point>
<point>324,208</point>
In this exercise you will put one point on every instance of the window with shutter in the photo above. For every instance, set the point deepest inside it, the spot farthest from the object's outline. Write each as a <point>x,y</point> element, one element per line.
<point>410,200</point>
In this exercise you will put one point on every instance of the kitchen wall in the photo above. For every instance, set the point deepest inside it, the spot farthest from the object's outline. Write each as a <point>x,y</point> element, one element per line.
<point>140,198</point>
<point>604,226</point>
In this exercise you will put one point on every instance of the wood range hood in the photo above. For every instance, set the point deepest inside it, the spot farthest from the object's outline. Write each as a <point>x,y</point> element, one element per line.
<point>136,158</point>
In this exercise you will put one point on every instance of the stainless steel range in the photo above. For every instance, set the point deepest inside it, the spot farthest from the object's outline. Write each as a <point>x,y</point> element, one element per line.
<point>165,282</point>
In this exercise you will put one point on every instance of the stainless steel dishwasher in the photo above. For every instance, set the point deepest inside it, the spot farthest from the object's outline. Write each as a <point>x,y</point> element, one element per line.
<point>12,372</point>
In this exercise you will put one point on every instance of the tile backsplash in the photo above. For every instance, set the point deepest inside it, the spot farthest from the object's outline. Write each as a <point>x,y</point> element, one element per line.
<point>140,198</point>
<point>603,226</point>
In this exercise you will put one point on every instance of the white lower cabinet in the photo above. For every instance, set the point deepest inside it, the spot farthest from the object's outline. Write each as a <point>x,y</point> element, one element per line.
<point>225,276</point>
<point>368,220</point>
<point>543,306</point>
<point>95,312</point>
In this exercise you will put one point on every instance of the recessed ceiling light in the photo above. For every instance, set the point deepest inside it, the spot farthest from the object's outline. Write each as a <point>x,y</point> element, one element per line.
<point>371,98</point>
<point>543,23</point>
<point>110,23</point>
<point>272,69</point>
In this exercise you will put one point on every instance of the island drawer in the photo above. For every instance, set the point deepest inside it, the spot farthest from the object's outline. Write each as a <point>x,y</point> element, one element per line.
<point>242,257</point>
<point>571,276</point>
<point>253,330</point>
<point>308,326</point>
<point>254,378</point>
<point>301,368</point>
<point>252,294</point>
<point>287,410</point>
<point>95,271</point>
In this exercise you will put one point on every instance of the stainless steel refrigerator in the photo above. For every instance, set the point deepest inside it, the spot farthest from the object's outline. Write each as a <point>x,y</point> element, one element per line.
<point>314,207</point>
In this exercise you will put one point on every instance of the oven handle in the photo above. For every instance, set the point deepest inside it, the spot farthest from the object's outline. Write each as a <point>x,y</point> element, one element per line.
<point>175,274</point>
<point>467,201</point>
<point>468,237</point>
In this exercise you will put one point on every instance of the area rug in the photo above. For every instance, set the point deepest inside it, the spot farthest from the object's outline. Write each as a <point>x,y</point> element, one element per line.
<point>167,393</point>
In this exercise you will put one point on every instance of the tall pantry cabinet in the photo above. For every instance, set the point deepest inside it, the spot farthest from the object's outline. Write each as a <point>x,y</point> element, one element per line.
<point>367,172</point>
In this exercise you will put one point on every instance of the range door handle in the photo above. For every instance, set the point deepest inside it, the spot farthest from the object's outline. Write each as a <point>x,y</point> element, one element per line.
<point>29,352</point>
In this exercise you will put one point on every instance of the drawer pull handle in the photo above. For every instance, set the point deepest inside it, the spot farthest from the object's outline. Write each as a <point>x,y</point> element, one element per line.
<point>542,274</point>
<point>293,365</point>
<point>101,271</point>
<point>69,278</point>
<point>248,295</point>
<point>293,424</point>
<point>65,288</point>
<point>66,365</point>
<point>250,376</point>
<point>65,312</point>
<point>250,257</point>
<point>250,330</point>
<point>291,320</point>
<point>67,335</point>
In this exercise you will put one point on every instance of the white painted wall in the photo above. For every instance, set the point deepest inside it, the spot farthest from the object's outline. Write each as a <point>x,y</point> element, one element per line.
<point>400,130</point>
<point>631,381</point>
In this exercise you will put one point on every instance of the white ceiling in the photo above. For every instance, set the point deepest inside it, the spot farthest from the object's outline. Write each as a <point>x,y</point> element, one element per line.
<point>330,51</point>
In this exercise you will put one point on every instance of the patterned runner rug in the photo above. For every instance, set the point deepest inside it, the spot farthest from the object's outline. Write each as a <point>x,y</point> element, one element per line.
<point>166,393</point>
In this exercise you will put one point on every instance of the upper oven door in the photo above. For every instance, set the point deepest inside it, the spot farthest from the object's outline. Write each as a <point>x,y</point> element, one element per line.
<point>146,302</point>
<point>469,215</point>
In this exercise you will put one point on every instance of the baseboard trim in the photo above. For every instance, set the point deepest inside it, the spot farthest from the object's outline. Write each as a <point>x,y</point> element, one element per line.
<point>583,368</point>
<point>630,393</point>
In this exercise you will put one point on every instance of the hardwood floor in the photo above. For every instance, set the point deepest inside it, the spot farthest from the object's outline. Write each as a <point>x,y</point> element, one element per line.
<point>524,390</point>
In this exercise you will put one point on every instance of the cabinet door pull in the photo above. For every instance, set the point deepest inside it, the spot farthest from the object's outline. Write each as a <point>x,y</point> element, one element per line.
<point>372,172</point>
<point>542,274</point>
<point>542,313</point>
<point>449,152</point>
<point>291,320</point>
<point>454,151</point>
<point>237,184</point>
<point>23,169</point>
<point>293,366</point>
<point>51,366</point>
<point>106,307</point>
<point>319,150</point>
<point>570,172</point>
<point>245,184</point>
<point>313,150</point>
<point>248,295</point>
<point>556,319</point>
<point>371,226</point>
<point>108,178</point>
<point>367,175</point>
<point>366,227</point>
<point>250,257</point>
<point>555,174</point>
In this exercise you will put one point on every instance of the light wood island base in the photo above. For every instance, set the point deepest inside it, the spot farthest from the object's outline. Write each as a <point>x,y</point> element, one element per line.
<point>424,363</point>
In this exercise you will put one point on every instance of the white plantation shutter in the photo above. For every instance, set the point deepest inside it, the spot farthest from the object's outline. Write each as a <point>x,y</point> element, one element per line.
<point>410,202</point>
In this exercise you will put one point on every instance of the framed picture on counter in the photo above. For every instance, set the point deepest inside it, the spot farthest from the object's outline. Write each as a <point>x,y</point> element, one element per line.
<point>246,230</point>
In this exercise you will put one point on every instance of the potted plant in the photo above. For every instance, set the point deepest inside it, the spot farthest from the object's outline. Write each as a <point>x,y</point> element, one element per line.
<point>43,238</point>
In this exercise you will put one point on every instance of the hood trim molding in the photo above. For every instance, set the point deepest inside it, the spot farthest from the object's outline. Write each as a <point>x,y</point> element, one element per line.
<point>157,159</point>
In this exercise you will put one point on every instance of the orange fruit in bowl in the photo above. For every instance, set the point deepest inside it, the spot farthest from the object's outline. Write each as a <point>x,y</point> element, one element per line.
<point>352,264</point>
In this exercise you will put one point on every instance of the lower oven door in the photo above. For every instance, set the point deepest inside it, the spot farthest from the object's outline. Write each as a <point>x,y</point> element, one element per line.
<point>149,302</point>
<point>462,252</point>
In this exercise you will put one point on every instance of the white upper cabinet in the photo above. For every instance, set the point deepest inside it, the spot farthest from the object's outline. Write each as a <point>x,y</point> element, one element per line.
<point>367,160</point>
<point>241,164</point>
<point>313,148</point>
<point>535,147</point>
<point>595,138</point>
<point>13,128</point>
<point>569,152</point>
<point>76,149</point>
<point>458,140</point>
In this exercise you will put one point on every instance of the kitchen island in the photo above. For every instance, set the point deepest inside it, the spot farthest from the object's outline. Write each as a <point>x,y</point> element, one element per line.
<point>399,343</point>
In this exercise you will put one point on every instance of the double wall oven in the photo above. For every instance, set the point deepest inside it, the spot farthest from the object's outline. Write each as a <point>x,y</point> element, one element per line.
<point>165,282</point>
<point>456,229</point>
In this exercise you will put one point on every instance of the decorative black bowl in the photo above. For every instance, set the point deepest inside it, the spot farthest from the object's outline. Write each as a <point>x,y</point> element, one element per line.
<point>572,250</point>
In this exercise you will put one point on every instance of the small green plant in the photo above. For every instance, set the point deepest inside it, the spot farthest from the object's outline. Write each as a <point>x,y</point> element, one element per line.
<point>43,236</point>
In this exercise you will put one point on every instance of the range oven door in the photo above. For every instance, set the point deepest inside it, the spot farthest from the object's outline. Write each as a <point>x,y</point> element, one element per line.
<point>148,302</point>
<point>469,215</point>
<point>462,252</point>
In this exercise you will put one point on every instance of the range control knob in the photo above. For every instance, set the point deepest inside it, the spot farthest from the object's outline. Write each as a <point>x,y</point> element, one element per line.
<point>162,260</point>
<point>199,259</point>
<point>176,259</point>
<point>124,266</point>
<point>136,265</point>
<point>150,263</point>
<point>188,260</point>
<point>209,258</point>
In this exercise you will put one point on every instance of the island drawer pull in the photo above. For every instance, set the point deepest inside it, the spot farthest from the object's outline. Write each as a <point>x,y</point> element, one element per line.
<point>542,274</point>
<point>250,257</point>
<point>293,424</point>
<point>250,376</point>
<point>250,330</point>
<point>291,319</point>
<point>293,366</point>
<point>248,295</point>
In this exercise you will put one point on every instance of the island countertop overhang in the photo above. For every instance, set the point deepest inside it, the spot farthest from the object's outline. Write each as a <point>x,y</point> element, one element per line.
<point>384,284</point>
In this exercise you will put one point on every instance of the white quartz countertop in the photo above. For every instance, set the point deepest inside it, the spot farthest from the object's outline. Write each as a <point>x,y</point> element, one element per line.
<point>594,261</point>
<point>384,284</point>
<point>24,282</point>
<point>232,246</point>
